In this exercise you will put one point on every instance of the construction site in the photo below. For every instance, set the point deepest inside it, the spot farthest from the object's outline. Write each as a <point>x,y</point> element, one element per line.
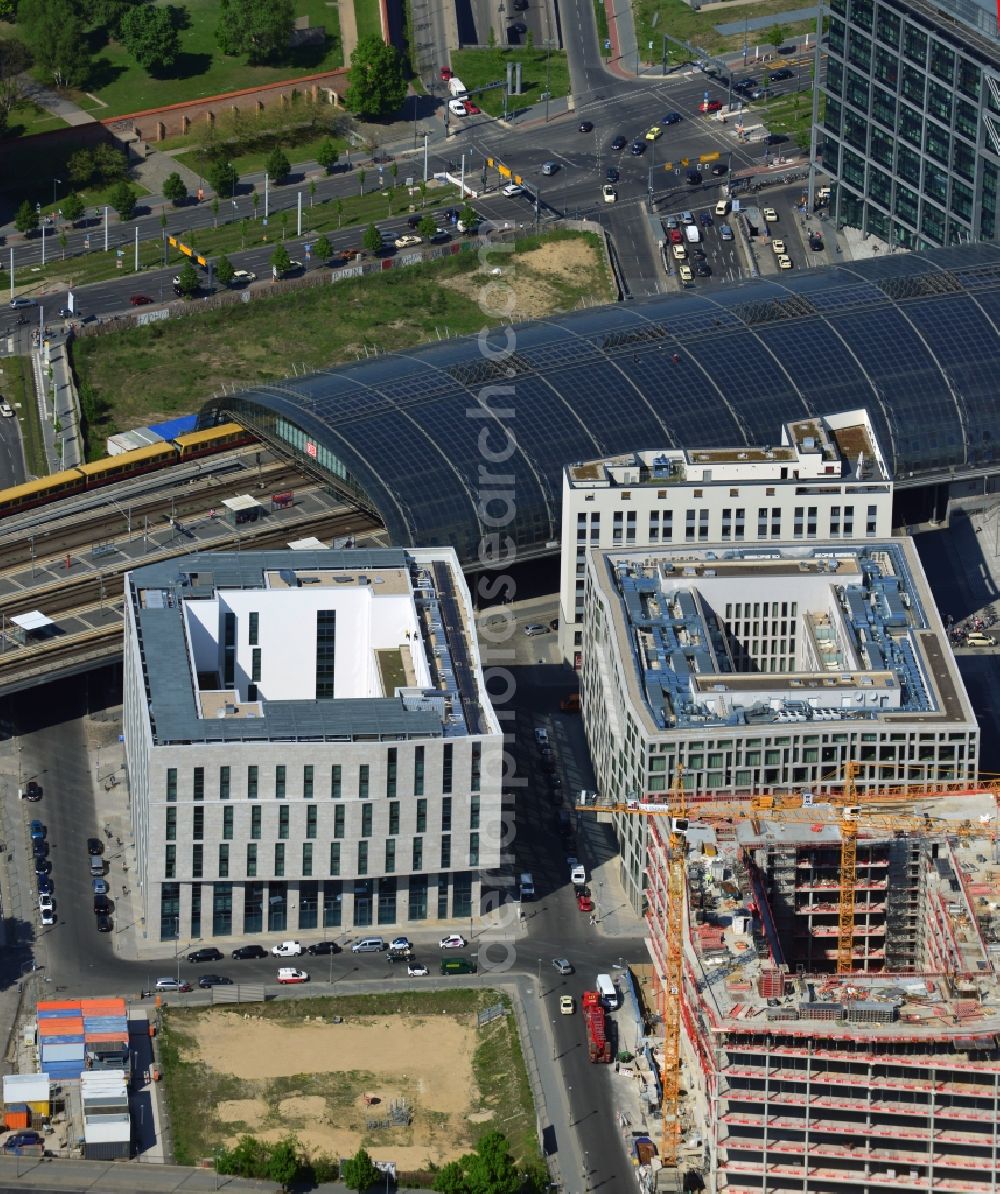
<point>827,991</point>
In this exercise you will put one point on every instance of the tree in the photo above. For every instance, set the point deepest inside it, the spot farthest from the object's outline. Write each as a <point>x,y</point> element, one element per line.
<point>14,58</point>
<point>775,36</point>
<point>529,40</point>
<point>328,155</point>
<point>122,199</point>
<point>427,227</point>
<point>283,1164</point>
<point>63,242</point>
<point>359,1172</point>
<point>372,239</point>
<point>222,177</point>
<point>188,283</point>
<point>81,167</point>
<point>72,207</point>
<point>451,1179</point>
<point>26,220</point>
<point>109,164</point>
<point>174,189</point>
<point>280,260</point>
<point>278,166</point>
<point>377,84</point>
<point>338,207</point>
<point>260,29</point>
<point>491,41</point>
<point>322,248</point>
<point>362,175</point>
<point>490,1168</point>
<point>215,211</point>
<point>54,33</point>
<point>312,190</point>
<point>469,216</point>
<point>149,33</point>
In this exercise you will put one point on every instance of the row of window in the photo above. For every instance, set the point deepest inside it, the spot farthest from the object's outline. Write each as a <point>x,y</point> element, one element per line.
<point>416,820</point>
<point>306,868</point>
<point>320,904</point>
<point>336,791</point>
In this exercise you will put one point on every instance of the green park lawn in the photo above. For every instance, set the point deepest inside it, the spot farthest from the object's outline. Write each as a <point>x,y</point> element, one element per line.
<point>538,67</point>
<point>254,161</point>
<point>676,19</point>
<point>367,18</point>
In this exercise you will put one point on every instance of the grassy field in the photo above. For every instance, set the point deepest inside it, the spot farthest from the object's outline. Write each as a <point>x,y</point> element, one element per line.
<point>792,115</point>
<point>253,162</point>
<point>17,385</point>
<point>603,34</point>
<point>170,367</point>
<point>369,22</point>
<point>195,1091</point>
<point>676,19</point>
<point>26,119</point>
<point>478,67</point>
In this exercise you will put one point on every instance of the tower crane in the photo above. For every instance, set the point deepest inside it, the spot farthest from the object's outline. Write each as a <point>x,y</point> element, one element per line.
<point>856,810</point>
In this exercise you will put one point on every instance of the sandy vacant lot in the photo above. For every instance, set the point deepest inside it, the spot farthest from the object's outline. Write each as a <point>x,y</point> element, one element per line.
<point>311,1079</point>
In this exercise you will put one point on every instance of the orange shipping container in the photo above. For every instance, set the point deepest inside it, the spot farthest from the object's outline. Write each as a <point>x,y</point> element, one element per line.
<point>60,1027</point>
<point>102,1007</point>
<point>56,1005</point>
<point>98,1038</point>
<point>17,1119</point>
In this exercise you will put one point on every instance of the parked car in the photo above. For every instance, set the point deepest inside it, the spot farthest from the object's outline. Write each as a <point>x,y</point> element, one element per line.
<point>291,974</point>
<point>416,970</point>
<point>452,941</point>
<point>6,410</point>
<point>584,902</point>
<point>322,947</point>
<point>534,628</point>
<point>105,925</point>
<point>47,916</point>
<point>33,791</point>
<point>22,1140</point>
<point>400,943</point>
<point>42,866</point>
<point>102,905</point>
<point>100,886</point>
<point>207,954</point>
<point>563,965</point>
<point>249,951</point>
<point>368,945</point>
<point>214,980</point>
<point>37,831</point>
<point>172,984</point>
<point>95,846</point>
<point>45,903</point>
<point>288,949</point>
<point>39,847</point>
<point>44,884</point>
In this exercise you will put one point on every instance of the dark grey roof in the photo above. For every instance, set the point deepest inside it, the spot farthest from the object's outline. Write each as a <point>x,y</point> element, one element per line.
<point>913,337</point>
<point>171,686</point>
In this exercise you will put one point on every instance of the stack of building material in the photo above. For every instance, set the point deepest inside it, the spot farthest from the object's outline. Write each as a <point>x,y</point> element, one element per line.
<point>61,1049</point>
<point>107,1125</point>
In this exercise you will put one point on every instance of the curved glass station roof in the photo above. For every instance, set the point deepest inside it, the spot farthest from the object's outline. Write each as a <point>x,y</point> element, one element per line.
<point>912,337</point>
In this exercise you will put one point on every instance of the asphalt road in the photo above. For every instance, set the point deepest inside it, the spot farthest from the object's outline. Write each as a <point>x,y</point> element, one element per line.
<point>11,458</point>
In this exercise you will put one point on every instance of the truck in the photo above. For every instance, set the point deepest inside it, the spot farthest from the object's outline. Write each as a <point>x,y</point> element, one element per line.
<point>456,88</point>
<point>598,1045</point>
<point>691,233</point>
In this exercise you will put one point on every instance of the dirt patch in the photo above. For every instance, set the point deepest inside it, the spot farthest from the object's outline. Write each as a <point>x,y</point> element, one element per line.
<point>336,1086</point>
<point>551,277</point>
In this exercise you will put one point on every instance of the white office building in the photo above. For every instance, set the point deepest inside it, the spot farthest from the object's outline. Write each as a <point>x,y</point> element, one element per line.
<point>825,478</point>
<point>766,669</point>
<point>309,742</point>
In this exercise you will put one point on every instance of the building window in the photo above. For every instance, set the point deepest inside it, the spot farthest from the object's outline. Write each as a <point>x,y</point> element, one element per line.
<point>255,823</point>
<point>279,858</point>
<point>223,783</point>
<point>477,764</point>
<point>394,817</point>
<point>311,821</point>
<point>279,782</point>
<point>390,855</point>
<point>335,858</point>
<point>197,861</point>
<point>446,814</point>
<point>171,783</point>
<point>171,825</point>
<point>196,910</point>
<point>326,650</point>
<point>198,824</point>
<point>254,629</point>
<point>229,650</point>
<point>251,783</point>
<point>446,768</point>
<point>170,862</point>
<point>223,861</point>
<point>442,897</point>
<point>198,783</point>
<point>871,523</point>
<point>222,909</point>
<point>362,858</point>
<point>390,772</point>
<point>251,860</point>
<point>338,821</point>
<point>418,897</point>
<point>335,781</point>
<point>307,781</point>
<point>363,781</point>
<point>227,823</point>
<point>473,849</point>
<point>474,813</point>
<point>255,665</point>
<point>366,820</point>
<point>307,858</point>
<point>445,849</point>
<point>308,905</point>
<point>283,822</point>
<point>418,853</point>
<point>418,771</point>
<point>421,816</point>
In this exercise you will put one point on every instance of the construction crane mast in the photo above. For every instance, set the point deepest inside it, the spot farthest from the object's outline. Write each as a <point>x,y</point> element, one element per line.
<point>672,994</point>
<point>848,877</point>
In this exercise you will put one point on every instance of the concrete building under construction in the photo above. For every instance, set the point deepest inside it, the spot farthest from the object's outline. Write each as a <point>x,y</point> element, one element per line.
<point>800,1079</point>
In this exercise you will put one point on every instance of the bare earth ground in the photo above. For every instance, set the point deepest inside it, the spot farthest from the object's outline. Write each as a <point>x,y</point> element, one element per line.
<point>529,286</point>
<point>310,1079</point>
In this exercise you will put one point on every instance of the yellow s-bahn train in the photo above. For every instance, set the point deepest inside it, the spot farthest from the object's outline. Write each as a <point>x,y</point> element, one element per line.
<point>85,477</point>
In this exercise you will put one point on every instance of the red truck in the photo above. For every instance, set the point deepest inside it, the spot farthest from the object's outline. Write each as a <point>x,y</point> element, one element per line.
<point>597,1037</point>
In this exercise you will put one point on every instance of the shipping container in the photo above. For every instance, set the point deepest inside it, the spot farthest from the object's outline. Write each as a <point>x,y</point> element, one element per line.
<point>17,1117</point>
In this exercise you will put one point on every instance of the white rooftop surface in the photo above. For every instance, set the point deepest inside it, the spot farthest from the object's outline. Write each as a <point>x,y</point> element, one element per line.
<point>376,616</point>
<point>31,621</point>
<point>26,1088</point>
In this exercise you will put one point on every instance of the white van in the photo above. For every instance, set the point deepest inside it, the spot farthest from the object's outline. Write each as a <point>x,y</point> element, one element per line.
<point>722,207</point>
<point>607,991</point>
<point>981,640</point>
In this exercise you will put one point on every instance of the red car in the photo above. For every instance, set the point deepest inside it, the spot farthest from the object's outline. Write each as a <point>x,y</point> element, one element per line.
<point>471,109</point>
<point>676,236</point>
<point>585,903</point>
<point>710,106</point>
<point>140,300</point>
<point>446,73</point>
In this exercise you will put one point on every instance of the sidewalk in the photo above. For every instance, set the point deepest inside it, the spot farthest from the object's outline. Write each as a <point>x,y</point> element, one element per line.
<point>65,109</point>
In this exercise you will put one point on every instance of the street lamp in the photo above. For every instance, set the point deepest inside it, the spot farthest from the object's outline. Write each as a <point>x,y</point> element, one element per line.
<point>56,182</point>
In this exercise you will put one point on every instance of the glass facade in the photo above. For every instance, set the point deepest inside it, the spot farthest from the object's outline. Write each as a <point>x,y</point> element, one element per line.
<point>907,103</point>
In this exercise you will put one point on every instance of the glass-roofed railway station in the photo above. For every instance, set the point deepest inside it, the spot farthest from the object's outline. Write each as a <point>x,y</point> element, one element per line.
<point>913,338</point>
